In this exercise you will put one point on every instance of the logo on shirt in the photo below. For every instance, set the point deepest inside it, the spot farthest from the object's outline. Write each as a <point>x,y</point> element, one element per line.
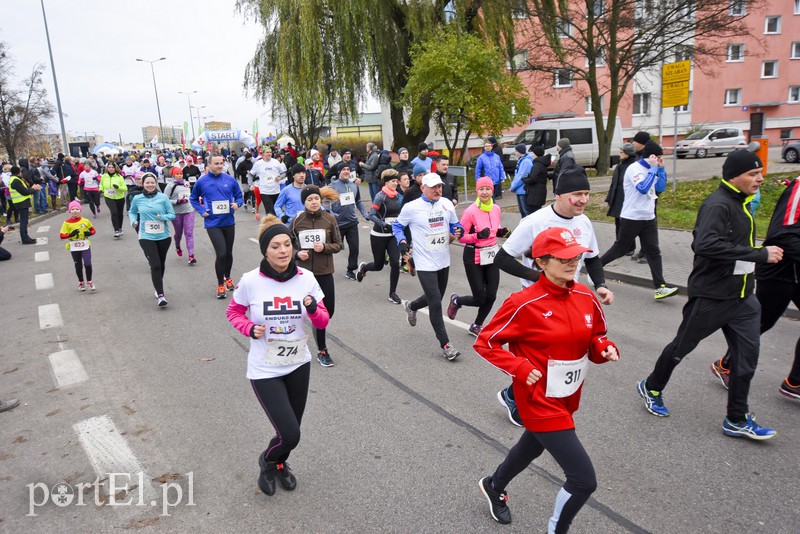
<point>548,314</point>
<point>282,330</point>
<point>588,319</point>
<point>282,306</point>
<point>576,232</point>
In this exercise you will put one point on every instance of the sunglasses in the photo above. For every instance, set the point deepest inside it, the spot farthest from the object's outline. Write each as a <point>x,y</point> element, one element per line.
<point>569,260</point>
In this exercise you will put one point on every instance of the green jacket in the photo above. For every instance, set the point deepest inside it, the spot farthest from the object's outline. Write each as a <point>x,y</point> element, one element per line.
<point>107,184</point>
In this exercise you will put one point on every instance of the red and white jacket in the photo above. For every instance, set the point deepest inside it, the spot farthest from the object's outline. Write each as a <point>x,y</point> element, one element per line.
<point>540,323</point>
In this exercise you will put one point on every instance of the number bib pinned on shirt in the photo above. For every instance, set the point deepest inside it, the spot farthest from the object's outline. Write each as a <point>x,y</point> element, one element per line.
<point>437,242</point>
<point>488,254</point>
<point>219,207</point>
<point>154,227</point>
<point>347,199</point>
<point>79,245</point>
<point>744,267</point>
<point>111,192</point>
<point>564,377</point>
<point>307,238</point>
<point>285,351</point>
<point>192,179</point>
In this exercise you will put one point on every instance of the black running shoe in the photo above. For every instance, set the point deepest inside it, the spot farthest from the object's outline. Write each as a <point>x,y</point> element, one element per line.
<point>266,480</point>
<point>285,477</point>
<point>497,501</point>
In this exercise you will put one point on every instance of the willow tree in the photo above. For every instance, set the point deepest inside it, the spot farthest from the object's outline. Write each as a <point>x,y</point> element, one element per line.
<point>339,51</point>
<point>604,44</point>
<point>472,93</point>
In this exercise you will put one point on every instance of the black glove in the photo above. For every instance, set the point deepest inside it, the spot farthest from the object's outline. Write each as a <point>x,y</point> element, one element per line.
<point>115,186</point>
<point>403,248</point>
<point>311,308</point>
<point>253,331</point>
<point>285,219</point>
<point>386,228</point>
<point>74,233</point>
<point>483,234</point>
<point>503,231</point>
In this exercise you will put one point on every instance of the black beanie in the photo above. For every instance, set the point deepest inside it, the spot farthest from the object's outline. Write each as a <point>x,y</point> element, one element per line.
<point>492,139</point>
<point>297,168</point>
<point>422,146</point>
<point>268,234</point>
<point>739,162</point>
<point>641,137</point>
<point>344,151</point>
<point>308,191</point>
<point>520,148</point>
<point>538,150</point>
<point>651,148</point>
<point>572,178</point>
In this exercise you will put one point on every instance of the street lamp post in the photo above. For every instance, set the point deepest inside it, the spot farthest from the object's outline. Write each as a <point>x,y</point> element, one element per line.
<point>55,82</point>
<point>158,106</point>
<point>189,98</point>
<point>197,109</point>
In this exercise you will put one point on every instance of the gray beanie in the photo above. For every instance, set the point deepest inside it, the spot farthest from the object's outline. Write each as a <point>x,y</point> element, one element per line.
<point>628,148</point>
<point>520,148</point>
<point>563,143</point>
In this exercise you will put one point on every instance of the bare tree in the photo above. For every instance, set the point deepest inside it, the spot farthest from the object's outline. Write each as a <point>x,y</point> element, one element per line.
<point>24,108</point>
<point>606,43</point>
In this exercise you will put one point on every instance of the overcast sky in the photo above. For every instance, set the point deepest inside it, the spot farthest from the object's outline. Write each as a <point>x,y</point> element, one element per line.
<point>105,90</point>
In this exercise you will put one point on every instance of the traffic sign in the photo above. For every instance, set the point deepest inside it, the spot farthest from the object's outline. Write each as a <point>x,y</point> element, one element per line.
<point>675,83</point>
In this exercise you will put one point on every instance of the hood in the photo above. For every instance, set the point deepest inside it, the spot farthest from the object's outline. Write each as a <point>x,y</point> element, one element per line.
<point>384,158</point>
<point>23,163</point>
<point>545,160</point>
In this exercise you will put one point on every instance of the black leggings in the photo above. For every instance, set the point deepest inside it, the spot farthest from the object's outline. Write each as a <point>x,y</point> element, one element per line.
<point>434,285</point>
<point>93,197</point>
<point>483,281</point>
<point>380,247</point>
<point>350,234</point>
<point>156,254</point>
<point>565,447</point>
<point>72,187</point>
<point>283,399</point>
<point>775,297</point>
<point>325,282</point>
<point>116,207</point>
<point>647,231</point>
<point>222,241</point>
<point>269,203</point>
<point>81,259</point>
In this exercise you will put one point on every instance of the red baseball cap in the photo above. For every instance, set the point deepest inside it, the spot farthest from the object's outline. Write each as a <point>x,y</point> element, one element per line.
<point>557,242</point>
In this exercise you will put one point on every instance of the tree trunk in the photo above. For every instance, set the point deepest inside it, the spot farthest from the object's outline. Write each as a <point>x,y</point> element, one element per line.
<point>406,138</point>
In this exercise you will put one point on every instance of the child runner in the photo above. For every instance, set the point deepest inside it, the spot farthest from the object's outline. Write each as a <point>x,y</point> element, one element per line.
<point>77,230</point>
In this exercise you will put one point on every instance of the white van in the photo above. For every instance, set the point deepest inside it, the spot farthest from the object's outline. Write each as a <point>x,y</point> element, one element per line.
<point>582,135</point>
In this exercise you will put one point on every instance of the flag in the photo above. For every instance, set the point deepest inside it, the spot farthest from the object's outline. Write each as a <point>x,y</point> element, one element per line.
<point>154,141</point>
<point>183,139</point>
<point>185,128</point>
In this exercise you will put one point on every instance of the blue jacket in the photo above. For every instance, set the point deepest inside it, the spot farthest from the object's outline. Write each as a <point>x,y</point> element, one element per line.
<point>214,188</point>
<point>524,167</point>
<point>289,202</point>
<point>654,174</point>
<point>346,215</point>
<point>490,164</point>
<point>146,209</point>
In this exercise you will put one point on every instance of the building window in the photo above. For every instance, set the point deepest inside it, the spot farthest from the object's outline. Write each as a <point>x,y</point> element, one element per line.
<point>769,69</point>
<point>519,11</point>
<point>562,78</point>
<point>772,24</point>
<point>733,97</point>
<point>797,7</point>
<point>794,94</point>
<point>599,9</point>
<point>641,104</point>
<point>588,104</point>
<point>735,53</point>
<point>519,61</point>
<point>682,53</point>
<point>643,8</point>
<point>687,107</point>
<point>795,50</point>
<point>564,28</point>
<point>599,58</point>
<point>737,8</point>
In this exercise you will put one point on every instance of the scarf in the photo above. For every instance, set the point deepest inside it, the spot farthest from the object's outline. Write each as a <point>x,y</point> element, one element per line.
<point>150,194</point>
<point>485,207</point>
<point>267,270</point>
<point>388,192</point>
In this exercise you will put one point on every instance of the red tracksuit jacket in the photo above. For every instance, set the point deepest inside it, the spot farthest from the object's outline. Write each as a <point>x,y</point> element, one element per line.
<point>541,323</point>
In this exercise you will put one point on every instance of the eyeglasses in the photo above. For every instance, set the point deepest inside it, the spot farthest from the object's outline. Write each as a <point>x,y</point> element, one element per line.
<point>570,260</point>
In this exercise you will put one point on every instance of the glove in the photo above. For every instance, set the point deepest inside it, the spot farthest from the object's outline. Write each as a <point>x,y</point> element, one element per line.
<point>115,186</point>
<point>386,228</point>
<point>74,233</point>
<point>483,234</point>
<point>403,248</point>
<point>312,308</point>
<point>503,231</point>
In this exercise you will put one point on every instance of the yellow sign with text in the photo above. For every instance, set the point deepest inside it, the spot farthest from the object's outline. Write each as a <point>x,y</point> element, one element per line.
<point>675,83</point>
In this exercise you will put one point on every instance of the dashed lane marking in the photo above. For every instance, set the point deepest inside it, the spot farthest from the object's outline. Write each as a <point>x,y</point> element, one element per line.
<point>447,319</point>
<point>253,239</point>
<point>41,241</point>
<point>42,256</point>
<point>50,316</point>
<point>43,229</point>
<point>67,368</point>
<point>44,281</point>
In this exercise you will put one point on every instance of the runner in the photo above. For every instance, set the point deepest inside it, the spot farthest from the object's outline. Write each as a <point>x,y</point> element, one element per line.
<point>317,235</point>
<point>112,183</point>
<point>553,329</point>
<point>149,214</point>
<point>289,202</point>
<point>384,211</point>
<point>278,363</point>
<point>191,173</point>
<point>77,230</point>
<point>721,295</point>
<point>572,196</point>
<point>267,175</point>
<point>178,193</point>
<point>90,181</point>
<point>481,222</point>
<point>434,225</point>
<point>221,197</point>
<point>345,212</point>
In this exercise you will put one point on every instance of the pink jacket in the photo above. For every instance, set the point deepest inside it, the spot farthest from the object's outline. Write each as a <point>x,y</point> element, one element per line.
<point>474,220</point>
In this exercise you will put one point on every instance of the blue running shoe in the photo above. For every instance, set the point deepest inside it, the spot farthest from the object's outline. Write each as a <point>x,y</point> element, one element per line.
<point>510,405</point>
<point>748,429</point>
<point>654,403</point>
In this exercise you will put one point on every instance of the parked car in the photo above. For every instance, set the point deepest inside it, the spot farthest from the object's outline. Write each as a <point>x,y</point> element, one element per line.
<point>716,141</point>
<point>791,152</point>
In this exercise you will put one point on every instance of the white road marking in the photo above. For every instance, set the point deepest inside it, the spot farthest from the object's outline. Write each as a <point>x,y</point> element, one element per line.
<point>44,281</point>
<point>42,256</point>
<point>447,319</point>
<point>41,241</point>
<point>108,452</point>
<point>67,368</point>
<point>50,316</point>
<point>253,239</point>
<point>43,229</point>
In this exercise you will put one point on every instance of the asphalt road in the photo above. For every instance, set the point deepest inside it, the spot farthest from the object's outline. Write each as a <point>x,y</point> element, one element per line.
<point>395,437</point>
